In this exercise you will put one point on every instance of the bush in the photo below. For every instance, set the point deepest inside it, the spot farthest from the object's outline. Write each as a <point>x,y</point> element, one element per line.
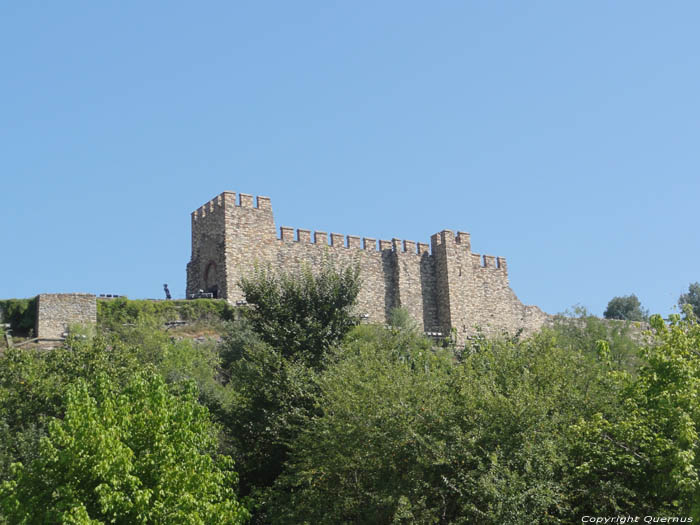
<point>20,314</point>
<point>112,313</point>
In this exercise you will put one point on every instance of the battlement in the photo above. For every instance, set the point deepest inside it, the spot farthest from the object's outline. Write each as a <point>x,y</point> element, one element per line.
<point>230,199</point>
<point>488,262</point>
<point>448,237</point>
<point>351,242</point>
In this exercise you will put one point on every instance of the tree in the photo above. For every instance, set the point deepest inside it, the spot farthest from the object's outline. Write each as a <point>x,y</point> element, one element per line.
<point>407,434</point>
<point>271,358</point>
<point>645,456</point>
<point>692,298</point>
<point>140,455</point>
<point>302,314</point>
<point>625,308</point>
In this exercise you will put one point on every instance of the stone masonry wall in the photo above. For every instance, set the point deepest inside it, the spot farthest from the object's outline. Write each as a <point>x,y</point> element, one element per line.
<point>444,286</point>
<point>55,312</point>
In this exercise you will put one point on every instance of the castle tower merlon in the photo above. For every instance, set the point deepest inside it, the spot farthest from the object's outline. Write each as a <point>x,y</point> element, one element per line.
<point>447,237</point>
<point>228,200</point>
<point>423,248</point>
<point>369,244</point>
<point>397,245</point>
<point>304,236</point>
<point>502,264</point>
<point>321,238</point>
<point>264,203</point>
<point>434,239</point>
<point>286,234</point>
<point>384,245</point>
<point>464,239</point>
<point>409,247</point>
<point>337,240</point>
<point>489,261</point>
<point>443,237</point>
<point>354,242</point>
<point>246,200</point>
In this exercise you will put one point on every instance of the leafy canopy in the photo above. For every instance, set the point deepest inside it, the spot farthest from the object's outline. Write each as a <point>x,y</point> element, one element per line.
<point>692,297</point>
<point>302,314</point>
<point>646,455</point>
<point>139,455</point>
<point>407,434</point>
<point>625,308</point>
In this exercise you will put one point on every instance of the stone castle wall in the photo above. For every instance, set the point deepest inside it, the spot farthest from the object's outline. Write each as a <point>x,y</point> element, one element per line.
<point>443,285</point>
<point>55,312</point>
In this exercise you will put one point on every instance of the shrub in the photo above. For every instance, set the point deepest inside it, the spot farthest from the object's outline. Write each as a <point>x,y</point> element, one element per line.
<point>115,312</point>
<point>20,314</point>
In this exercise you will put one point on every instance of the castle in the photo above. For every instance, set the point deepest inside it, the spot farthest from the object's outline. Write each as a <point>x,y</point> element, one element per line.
<point>444,286</point>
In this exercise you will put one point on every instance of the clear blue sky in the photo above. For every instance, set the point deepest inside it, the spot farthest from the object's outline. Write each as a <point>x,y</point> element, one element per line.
<point>564,136</point>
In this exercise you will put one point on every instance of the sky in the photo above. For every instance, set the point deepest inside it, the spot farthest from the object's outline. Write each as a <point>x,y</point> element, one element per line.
<point>562,135</point>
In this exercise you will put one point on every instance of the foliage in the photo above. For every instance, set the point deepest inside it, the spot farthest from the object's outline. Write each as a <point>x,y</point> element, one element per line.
<point>20,314</point>
<point>341,424</point>
<point>625,308</point>
<point>579,331</point>
<point>176,359</point>
<point>137,455</point>
<point>112,313</point>
<point>302,314</point>
<point>647,455</point>
<point>33,384</point>
<point>400,319</point>
<point>408,435</point>
<point>273,397</point>
<point>692,297</point>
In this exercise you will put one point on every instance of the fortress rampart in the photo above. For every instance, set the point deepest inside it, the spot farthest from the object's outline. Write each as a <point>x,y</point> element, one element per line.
<point>443,285</point>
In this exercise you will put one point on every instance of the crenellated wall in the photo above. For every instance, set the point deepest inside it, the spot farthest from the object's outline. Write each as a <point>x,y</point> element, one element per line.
<point>443,285</point>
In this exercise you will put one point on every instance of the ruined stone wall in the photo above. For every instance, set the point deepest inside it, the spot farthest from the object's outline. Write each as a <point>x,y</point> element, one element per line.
<point>55,312</point>
<point>443,286</point>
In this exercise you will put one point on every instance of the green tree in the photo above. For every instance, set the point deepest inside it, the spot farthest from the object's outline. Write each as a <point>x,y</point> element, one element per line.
<point>139,455</point>
<point>20,314</point>
<point>302,314</point>
<point>625,308</point>
<point>406,434</point>
<point>274,398</point>
<point>692,298</point>
<point>645,456</point>
<point>271,358</point>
